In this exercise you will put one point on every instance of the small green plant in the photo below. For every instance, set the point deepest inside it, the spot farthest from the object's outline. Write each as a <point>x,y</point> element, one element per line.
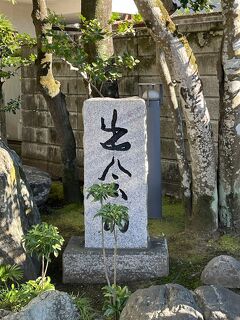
<point>84,307</point>
<point>114,217</point>
<point>43,240</point>
<point>113,309</point>
<point>10,273</point>
<point>16,297</point>
<point>102,191</point>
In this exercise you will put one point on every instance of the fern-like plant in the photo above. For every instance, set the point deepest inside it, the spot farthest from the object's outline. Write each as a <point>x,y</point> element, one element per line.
<point>10,273</point>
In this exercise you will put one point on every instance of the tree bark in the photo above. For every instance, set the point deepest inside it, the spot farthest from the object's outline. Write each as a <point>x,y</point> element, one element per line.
<point>180,148</point>
<point>3,128</point>
<point>229,131</point>
<point>51,90</point>
<point>102,11</point>
<point>204,178</point>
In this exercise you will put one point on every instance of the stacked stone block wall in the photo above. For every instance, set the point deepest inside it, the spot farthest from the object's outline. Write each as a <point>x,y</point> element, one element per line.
<point>40,146</point>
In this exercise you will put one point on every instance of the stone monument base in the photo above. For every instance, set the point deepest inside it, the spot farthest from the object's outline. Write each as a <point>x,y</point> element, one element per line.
<point>85,265</point>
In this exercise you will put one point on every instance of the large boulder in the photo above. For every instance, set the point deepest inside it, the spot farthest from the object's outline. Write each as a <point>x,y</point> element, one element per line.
<point>165,302</point>
<point>222,270</point>
<point>18,212</point>
<point>50,305</point>
<point>40,183</point>
<point>218,303</point>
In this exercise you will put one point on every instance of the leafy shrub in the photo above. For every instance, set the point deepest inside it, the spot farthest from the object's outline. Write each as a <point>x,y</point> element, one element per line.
<point>84,307</point>
<point>115,298</point>
<point>16,297</point>
<point>43,240</point>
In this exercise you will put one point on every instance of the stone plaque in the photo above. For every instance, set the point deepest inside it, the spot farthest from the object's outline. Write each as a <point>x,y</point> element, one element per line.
<point>115,151</point>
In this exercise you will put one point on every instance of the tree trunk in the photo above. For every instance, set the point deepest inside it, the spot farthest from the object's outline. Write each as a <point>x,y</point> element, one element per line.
<point>3,129</point>
<point>102,11</point>
<point>51,90</point>
<point>229,133</point>
<point>180,148</point>
<point>204,178</point>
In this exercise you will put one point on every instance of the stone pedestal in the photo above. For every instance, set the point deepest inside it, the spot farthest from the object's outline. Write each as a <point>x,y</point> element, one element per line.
<point>83,265</point>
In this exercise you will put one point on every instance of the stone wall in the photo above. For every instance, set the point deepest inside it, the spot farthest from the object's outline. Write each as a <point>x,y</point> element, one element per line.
<point>40,145</point>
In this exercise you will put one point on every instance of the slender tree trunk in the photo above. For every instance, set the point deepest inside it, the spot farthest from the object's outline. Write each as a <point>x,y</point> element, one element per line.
<point>51,90</point>
<point>3,129</point>
<point>102,11</point>
<point>183,164</point>
<point>204,177</point>
<point>229,133</point>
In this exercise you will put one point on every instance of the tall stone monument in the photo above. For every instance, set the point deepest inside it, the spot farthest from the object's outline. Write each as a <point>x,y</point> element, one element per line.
<point>115,150</point>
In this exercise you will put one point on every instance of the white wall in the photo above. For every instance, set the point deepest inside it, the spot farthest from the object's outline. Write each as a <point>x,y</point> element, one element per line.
<point>20,16</point>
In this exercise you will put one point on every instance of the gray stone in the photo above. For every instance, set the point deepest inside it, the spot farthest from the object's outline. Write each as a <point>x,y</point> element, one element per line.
<point>50,305</point>
<point>131,115</point>
<point>218,303</point>
<point>18,212</point>
<point>165,302</point>
<point>222,270</point>
<point>4,313</point>
<point>83,265</point>
<point>40,183</point>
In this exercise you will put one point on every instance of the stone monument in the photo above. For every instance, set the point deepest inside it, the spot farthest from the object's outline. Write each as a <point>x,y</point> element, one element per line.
<point>115,150</point>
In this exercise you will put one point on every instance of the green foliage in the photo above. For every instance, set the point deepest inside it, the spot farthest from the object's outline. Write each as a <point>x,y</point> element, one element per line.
<point>102,191</point>
<point>35,287</point>
<point>190,6</point>
<point>84,307</point>
<point>137,18</point>
<point>115,299</point>
<point>12,105</point>
<point>10,273</point>
<point>69,220</point>
<point>16,298</point>
<point>13,299</point>
<point>73,49</point>
<point>114,215</point>
<point>11,44</point>
<point>115,17</point>
<point>228,244</point>
<point>43,240</point>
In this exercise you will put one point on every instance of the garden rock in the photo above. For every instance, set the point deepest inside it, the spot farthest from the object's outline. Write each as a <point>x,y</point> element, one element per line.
<point>222,270</point>
<point>218,303</point>
<point>40,183</point>
<point>165,302</point>
<point>4,313</point>
<point>18,212</point>
<point>50,305</point>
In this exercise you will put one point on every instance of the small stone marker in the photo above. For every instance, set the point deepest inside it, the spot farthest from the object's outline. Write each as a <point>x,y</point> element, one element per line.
<point>115,151</point>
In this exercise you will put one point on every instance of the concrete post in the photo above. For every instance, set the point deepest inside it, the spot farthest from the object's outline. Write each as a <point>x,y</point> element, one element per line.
<point>153,102</point>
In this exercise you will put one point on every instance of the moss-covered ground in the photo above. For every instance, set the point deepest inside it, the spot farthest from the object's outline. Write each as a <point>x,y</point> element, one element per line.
<point>189,251</point>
